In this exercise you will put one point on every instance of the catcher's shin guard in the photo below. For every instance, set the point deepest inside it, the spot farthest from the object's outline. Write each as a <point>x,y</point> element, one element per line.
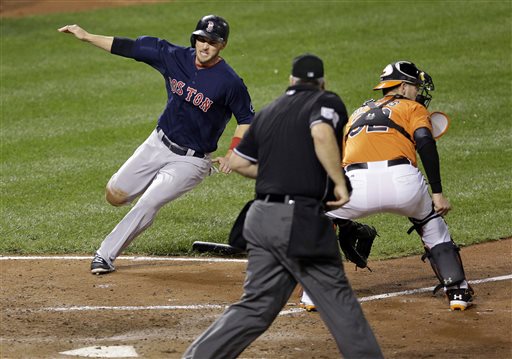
<point>446,263</point>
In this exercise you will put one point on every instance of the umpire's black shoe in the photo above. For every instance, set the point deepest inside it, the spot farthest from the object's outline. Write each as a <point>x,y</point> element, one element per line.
<point>460,299</point>
<point>100,266</point>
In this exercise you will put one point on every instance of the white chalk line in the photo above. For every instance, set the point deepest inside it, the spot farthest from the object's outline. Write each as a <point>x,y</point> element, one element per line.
<point>133,308</point>
<point>428,289</point>
<point>133,258</point>
<point>284,312</point>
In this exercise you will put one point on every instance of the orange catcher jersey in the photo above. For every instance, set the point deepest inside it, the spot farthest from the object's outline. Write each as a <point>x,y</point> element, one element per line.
<point>378,143</point>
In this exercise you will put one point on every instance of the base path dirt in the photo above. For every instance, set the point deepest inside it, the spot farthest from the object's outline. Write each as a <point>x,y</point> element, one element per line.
<point>159,306</point>
<point>20,8</point>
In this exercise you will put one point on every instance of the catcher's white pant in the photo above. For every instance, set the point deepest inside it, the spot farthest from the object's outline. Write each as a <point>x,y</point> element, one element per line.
<point>160,176</point>
<point>397,189</point>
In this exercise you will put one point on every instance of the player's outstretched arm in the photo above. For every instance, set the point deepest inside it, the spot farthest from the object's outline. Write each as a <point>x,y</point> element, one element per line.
<point>103,42</point>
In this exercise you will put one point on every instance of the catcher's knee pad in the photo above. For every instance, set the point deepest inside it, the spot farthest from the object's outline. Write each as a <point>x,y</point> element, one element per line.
<point>446,263</point>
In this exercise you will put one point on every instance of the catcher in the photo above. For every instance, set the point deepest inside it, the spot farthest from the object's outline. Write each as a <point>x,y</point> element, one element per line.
<point>380,145</point>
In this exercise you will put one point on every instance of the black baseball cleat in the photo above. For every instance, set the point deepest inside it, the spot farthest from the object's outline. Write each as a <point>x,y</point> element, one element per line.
<point>100,266</point>
<point>460,299</point>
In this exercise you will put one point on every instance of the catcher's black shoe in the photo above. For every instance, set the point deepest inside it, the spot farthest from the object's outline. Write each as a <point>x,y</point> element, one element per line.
<point>100,266</point>
<point>460,299</point>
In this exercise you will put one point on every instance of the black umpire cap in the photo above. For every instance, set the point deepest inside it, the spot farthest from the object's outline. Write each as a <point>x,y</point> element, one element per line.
<point>308,66</point>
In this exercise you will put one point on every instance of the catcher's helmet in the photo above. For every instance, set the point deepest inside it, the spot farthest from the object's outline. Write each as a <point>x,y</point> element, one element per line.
<point>405,71</point>
<point>212,27</point>
<point>396,73</point>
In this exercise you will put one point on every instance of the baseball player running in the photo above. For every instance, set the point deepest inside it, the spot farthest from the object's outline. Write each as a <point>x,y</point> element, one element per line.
<point>381,141</point>
<point>203,92</point>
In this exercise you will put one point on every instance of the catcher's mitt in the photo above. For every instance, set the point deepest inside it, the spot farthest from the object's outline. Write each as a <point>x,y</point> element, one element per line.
<point>356,240</point>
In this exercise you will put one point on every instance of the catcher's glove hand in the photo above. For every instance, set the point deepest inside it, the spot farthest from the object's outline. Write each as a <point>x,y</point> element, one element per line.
<point>356,240</point>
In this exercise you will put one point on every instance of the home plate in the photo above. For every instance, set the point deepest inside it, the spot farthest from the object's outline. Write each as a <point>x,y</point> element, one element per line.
<point>117,351</point>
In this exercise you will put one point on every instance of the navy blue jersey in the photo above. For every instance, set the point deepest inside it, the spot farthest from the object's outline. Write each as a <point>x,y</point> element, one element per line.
<point>200,102</point>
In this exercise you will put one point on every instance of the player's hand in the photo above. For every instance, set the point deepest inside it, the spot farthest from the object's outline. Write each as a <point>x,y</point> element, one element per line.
<point>75,30</point>
<point>441,205</point>
<point>223,164</point>
<point>342,196</point>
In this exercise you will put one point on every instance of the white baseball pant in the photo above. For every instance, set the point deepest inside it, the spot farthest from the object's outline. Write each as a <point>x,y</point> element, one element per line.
<point>158,176</point>
<point>399,189</point>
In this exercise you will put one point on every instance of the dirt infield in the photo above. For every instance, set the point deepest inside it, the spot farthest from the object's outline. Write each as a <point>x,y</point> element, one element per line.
<point>49,306</point>
<point>19,8</point>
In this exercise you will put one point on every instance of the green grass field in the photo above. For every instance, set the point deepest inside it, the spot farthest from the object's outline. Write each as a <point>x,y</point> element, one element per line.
<point>72,114</point>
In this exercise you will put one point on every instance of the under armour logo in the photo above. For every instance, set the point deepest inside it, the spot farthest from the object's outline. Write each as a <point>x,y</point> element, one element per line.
<point>457,296</point>
<point>209,28</point>
<point>448,281</point>
<point>370,116</point>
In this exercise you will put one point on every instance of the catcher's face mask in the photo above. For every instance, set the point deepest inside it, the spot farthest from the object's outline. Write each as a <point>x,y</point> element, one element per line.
<point>424,97</point>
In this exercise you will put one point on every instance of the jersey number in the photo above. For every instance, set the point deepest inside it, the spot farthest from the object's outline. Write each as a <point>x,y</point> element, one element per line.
<point>371,128</point>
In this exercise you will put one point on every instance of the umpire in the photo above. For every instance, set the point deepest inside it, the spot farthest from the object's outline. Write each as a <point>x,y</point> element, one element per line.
<point>292,151</point>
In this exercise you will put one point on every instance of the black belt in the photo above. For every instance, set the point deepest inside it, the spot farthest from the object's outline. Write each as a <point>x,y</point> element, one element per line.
<point>279,198</point>
<point>364,165</point>
<point>175,149</point>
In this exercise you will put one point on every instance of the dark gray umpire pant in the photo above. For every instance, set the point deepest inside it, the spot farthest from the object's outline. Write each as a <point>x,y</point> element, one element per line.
<point>270,281</point>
